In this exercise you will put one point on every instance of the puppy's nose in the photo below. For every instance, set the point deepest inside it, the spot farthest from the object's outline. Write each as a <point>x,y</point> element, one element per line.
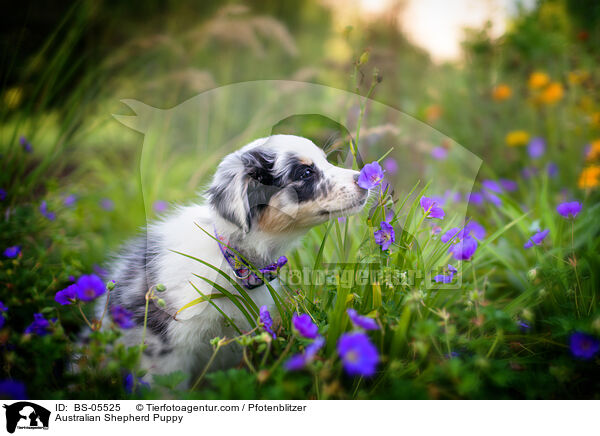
<point>356,177</point>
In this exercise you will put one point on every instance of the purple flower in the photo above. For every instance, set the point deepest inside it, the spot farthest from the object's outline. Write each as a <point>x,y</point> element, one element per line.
<point>160,206</point>
<point>2,194</point>
<point>569,209</point>
<point>475,198</point>
<point>3,307</point>
<point>40,325</point>
<point>509,185</point>
<point>67,296</point>
<point>2,321</point>
<point>439,153</point>
<point>122,317</point>
<point>90,287</point>
<point>363,322</point>
<point>446,237</point>
<point>385,236</point>
<point>267,321</point>
<point>536,147</point>
<point>305,326</point>
<point>492,185</point>
<point>475,229</point>
<point>295,363</point>
<point>446,278</point>
<point>536,239</point>
<point>107,204</point>
<point>12,389</point>
<point>12,252</point>
<point>281,261</point>
<point>584,346</point>
<point>390,165</point>
<point>342,219</point>
<point>69,200</point>
<point>45,212</point>
<point>25,144</point>
<point>430,208</point>
<point>132,384</point>
<point>370,176</point>
<point>389,215</point>
<point>359,356</point>
<point>299,361</point>
<point>465,249</point>
<point>492,198</point>
<point>552,169</point>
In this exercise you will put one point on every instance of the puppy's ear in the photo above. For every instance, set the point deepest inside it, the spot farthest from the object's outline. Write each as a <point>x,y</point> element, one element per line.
<point>261,183</point>
<point>243,186</point>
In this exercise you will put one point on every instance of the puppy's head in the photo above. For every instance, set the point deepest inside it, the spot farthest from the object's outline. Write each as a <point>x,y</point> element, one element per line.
<point>283,183</point>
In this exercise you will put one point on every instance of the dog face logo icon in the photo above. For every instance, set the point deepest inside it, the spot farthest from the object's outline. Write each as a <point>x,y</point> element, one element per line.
<point>26,415</point>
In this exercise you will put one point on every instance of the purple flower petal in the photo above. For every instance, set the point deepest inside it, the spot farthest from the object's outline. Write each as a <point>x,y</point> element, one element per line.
<point>305,326</point>
<point>362,321</point>
<point>370,176</point>
<point>583,346</point>
<point>464,249</point>
<point>569,209</point>
<point>385,236</point>
<point>430,208</point>
<point>536,147</point>
<point>359,356</point>
<point>536,239</point>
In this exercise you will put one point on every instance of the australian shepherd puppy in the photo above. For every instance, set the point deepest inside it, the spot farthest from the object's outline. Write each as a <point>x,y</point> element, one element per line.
<point>263,198</point>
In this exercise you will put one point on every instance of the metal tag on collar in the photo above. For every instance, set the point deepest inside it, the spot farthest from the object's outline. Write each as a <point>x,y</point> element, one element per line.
<point>244,277</point>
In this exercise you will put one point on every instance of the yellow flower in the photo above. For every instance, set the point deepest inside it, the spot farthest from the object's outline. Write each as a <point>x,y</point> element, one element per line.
<point>589,177</point>
<point>538,79</point>
<point>594,152</point>
<point>517,138</point>
<point>552,93</point>
<point>577,77</point>
<point>501,92</point>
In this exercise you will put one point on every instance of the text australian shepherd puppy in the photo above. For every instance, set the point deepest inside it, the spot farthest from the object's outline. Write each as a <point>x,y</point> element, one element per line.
<point>262,200</point>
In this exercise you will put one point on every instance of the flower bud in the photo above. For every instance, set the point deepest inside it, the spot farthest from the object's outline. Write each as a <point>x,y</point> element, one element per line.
<point>110,285</point>
<point>161,303</point>
<point>161,288</point>
<point>532,274</point>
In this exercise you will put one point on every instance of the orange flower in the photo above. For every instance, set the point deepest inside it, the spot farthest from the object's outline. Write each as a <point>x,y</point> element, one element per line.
<point>552,93</point>
<point>538,80</point>
<point>594,152</point>
<point>433,112</point>
<point>517,138</point>
<point>589,177</point>
<point>501,92</point>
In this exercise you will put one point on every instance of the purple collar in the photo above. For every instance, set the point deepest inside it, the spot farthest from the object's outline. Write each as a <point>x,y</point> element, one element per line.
<point>247,278</point>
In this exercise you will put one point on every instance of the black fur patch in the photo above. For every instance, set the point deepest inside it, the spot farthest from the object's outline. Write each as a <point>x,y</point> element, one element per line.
<point>306,189</point>
<point>262,184</point>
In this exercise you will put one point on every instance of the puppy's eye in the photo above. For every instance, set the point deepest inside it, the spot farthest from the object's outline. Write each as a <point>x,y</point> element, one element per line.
<point>307,173</point>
